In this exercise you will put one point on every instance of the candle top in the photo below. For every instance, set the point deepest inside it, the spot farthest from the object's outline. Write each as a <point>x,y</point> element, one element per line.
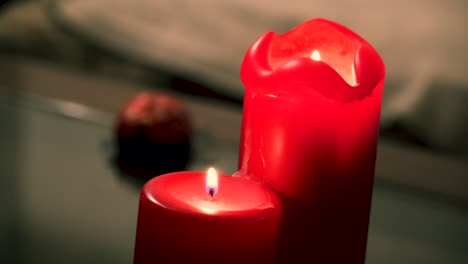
<point>237,197</point>
<point>320,54</point>
<point>320,42</point>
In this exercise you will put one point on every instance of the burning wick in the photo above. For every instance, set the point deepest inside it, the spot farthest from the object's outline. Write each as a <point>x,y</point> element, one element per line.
<point>211,182</point>
<point>316,56</point>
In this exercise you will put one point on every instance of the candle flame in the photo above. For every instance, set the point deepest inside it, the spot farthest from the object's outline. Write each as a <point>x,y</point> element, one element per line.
<point>316,56</point>
<point>212,182</point>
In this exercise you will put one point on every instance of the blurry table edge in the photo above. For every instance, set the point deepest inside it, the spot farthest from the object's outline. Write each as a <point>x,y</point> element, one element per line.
<point>40,86</point>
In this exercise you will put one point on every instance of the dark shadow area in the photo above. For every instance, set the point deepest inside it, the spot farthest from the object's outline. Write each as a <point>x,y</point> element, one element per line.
<point>10,192</point>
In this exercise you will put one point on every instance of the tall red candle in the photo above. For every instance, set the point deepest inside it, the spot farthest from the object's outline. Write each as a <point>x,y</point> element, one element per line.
<point>309,132</point>
<point>181,221</point>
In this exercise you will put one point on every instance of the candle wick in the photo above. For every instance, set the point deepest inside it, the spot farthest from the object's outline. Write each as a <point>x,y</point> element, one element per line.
<point>211,192</point>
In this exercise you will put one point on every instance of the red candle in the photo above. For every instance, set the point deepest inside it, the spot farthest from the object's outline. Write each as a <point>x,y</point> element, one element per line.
<point>188,217</point>
<point>310,129</point>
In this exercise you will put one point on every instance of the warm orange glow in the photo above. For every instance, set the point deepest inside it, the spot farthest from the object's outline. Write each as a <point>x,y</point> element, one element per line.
<point>316,55</point>
<point>353,75</point>
<point>212,182</point>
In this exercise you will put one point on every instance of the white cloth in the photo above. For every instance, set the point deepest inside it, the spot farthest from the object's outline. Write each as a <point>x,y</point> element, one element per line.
<point>423,43</point>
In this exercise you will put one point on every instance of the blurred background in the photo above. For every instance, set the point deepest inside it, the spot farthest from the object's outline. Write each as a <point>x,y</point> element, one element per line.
<point>68,66</point>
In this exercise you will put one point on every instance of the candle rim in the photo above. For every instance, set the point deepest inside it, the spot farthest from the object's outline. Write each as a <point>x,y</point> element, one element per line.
<point>256,67</point>
<point>151,192</point>
<point>308,39</point>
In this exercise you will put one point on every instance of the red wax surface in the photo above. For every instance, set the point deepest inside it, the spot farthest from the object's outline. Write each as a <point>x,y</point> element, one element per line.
<point>178,222</point>
<point>310,130</point>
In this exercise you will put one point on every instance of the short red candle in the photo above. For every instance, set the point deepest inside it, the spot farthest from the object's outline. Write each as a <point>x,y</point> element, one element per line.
<point>310,129</point>
<point>180,222</point>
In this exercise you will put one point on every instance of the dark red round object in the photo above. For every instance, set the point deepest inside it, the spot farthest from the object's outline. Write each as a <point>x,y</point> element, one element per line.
<point>153,135</point>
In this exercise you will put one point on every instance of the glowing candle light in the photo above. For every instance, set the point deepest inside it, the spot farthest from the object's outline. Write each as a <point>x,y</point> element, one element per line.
<point>315,55</point>
<point>212,182</point>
